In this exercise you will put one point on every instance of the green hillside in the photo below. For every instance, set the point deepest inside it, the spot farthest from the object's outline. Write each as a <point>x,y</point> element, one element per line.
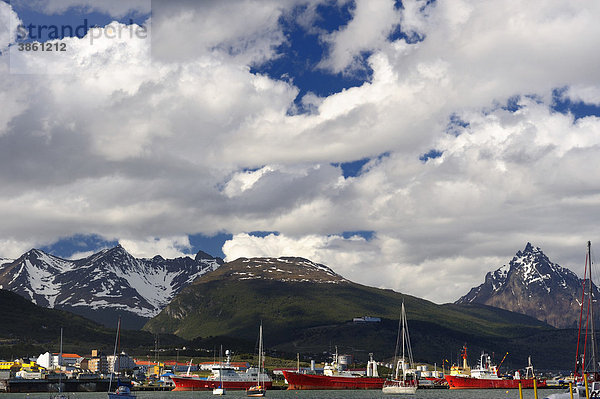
<point>26,328</point>
<point>309,317</point>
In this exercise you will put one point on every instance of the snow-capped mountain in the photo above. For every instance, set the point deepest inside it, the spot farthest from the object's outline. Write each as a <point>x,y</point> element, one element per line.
<point>105,283</point>
<point>531,284</point>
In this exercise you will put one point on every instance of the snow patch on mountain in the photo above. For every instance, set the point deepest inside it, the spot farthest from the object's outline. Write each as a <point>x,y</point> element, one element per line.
<point>284,269</point>
<point>531,284</point>
<point>109,279</point>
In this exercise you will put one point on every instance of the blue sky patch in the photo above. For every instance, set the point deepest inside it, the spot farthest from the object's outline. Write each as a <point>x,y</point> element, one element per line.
<point>66,247</point>
<point>432,154</point>
<point>351,169</point>
<point>456,125</point>
<point>579,109</point>
<point>303,50</point>
<point>212,245</point>
<point>366,234</point>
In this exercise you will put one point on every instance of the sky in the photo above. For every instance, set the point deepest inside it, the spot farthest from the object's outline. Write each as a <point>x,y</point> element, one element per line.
<point>410,145</point>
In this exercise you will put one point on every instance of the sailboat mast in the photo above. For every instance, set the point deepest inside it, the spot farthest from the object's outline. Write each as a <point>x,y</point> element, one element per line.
<point>260,349</point>
<point>60,354</point>
<point>115,354</point>
<point>403,316</point>
<point>589,256</point>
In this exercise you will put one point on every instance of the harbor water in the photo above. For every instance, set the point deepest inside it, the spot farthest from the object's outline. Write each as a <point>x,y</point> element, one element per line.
<point>369,394</point>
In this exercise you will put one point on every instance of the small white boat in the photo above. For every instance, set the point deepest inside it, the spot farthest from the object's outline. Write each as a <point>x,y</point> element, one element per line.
<point>122,392</point>
<point>219,391</point>
<point>406,383</point>
<point>258,390</point>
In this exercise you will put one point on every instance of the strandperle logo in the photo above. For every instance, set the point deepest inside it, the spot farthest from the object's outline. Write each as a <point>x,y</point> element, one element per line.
<point>36,32</point>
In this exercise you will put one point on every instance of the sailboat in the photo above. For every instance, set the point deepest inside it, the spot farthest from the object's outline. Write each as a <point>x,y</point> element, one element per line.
<point>259,390</point>
<point>60,395</point>
<point>123,391</point>
<point>220,390</point>
<point>586,363</point>
<point>406,383</point>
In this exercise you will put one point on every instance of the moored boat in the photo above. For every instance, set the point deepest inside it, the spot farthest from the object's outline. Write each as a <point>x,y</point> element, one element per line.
<point>223,376</point>
<point>334,377</point>
<point>122,392</point>
<point>485,376</point>
<point>405,383</point>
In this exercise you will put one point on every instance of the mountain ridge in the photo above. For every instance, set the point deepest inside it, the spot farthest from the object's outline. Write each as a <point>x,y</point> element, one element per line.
<point>105,283</point>
<point>532,284</point>
<point>308,317</point>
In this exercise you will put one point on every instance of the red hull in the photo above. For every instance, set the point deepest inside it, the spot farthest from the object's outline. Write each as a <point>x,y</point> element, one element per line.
<point>197,384</point>
<point>311,381</point>
<point>456,382</point>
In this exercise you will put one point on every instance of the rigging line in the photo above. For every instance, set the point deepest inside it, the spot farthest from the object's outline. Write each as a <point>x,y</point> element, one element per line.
<point>580,320</point>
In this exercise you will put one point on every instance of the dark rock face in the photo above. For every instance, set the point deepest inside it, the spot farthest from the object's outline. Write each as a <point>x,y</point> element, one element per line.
<point>531,284</point>
<point>104,284</point>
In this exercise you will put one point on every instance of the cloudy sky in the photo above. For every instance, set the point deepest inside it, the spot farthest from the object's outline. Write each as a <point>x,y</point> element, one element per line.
<point>410,145</point>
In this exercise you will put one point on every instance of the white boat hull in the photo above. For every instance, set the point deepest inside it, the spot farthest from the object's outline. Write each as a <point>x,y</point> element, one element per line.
<point>399,390</point>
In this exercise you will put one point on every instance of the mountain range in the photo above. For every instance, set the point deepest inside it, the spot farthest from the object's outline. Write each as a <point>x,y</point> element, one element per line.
<point>105,285</point>
<point>533,285</point>
<point>305,307</point>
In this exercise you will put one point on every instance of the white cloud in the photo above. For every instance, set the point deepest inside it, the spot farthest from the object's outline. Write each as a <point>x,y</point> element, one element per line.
<point>589,94</point>
<point>372,21</point>
<point>9,21</point>
<point>13,248</point>
<point>131,149</point>
<point>169,247</point>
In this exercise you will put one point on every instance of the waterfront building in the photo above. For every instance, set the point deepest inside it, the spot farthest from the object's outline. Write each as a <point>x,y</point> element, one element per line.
<point>120,362</point>
<point>98,363</point>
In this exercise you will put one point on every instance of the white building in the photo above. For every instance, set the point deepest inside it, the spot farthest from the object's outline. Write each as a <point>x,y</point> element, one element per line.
<point>123,362</point>
<point>51,361</point>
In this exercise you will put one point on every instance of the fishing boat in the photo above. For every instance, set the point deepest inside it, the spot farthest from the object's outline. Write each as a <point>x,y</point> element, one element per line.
<point>122,391</point>
<point>486,376</point>
<point>258,390</point>
<point>223,376</point>
<point>408,384</point>
<point>334,377</point>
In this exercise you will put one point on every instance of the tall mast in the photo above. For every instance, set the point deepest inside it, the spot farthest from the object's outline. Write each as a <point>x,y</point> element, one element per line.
<point>403,316</point>
<point>260,349</point>
<point>589,256</point>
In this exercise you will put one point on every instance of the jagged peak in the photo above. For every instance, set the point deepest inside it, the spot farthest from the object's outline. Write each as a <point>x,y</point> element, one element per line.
<point>34,252</point>
<point>530,250</point>
<point>203,255</point>
<point>118,250</point>
<point>39,254</point>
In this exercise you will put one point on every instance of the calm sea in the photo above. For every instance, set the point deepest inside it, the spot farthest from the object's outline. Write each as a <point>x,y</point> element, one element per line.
<point>424,394</point>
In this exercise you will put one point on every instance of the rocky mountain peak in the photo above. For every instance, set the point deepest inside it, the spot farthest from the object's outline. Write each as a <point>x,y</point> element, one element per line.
<point>108,282</point>
<point>531,284</point>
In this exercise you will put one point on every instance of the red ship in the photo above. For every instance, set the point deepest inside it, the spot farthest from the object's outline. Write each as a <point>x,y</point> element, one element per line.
<point>334,377</point>
<point>184,383</point>
<point>223,376</point>
<point>313,381</point>
<point>485,376</point>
